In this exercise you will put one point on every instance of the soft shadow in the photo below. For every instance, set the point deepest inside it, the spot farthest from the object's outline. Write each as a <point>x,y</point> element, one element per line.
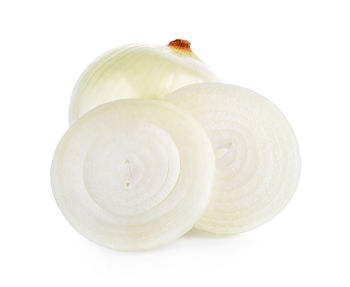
<point>199,234</point>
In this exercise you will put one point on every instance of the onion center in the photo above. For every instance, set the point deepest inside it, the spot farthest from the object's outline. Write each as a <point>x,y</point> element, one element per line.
<point>119,168</point>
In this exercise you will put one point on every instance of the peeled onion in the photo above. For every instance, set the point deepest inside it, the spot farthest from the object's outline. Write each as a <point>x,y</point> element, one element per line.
<point>137,71</point>
<point>133,174</point>
<point>257,155</point>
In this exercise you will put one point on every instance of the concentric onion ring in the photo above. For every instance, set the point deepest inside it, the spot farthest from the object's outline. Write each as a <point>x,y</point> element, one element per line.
<point>133,174</point>
<point>257,155</point>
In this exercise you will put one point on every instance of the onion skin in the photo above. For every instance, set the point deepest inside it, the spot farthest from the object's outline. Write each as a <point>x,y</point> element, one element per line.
<point>257,155</point>
<point>137,71</point>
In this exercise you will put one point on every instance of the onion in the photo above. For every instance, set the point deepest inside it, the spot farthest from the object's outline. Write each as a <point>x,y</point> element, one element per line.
<point>257,155</point>
<point>137,71</point>
<point>133,174</point>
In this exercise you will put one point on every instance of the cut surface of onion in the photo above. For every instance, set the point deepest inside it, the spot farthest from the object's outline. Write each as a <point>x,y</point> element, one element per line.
<point>257,155</point>
<point>137,71</point>
<point>133,174</point>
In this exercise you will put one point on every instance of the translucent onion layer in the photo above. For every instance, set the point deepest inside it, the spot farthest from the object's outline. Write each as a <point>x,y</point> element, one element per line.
<point>257,155</point>
<point>133,174</point>
<point>137,71</point>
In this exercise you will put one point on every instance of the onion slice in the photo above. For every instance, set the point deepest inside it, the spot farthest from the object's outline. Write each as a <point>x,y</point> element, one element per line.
<point>133,174</point>
<point>257,155</point>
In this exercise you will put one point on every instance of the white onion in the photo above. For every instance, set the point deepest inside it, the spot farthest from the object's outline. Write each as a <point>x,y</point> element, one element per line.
<point>133,174</point>
<point>137,71</point>
<point>257,155</point>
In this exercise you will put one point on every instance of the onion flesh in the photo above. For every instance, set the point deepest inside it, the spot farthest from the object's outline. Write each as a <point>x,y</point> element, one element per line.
<point>133,174</point>
<point>137,71</point>
<point>257,155</point>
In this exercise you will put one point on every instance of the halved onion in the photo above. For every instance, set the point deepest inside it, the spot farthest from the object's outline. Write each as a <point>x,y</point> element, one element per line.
<point>133,174</point>
<point>137,71</point>
<point>257,155</point>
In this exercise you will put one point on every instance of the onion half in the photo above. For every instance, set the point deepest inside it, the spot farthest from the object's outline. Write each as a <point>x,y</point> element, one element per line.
<point>133,174</point>
<point>257,155</point>
<point>137,71</point>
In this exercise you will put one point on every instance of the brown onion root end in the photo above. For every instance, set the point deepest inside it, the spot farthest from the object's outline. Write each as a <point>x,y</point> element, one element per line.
<point>180,44</point>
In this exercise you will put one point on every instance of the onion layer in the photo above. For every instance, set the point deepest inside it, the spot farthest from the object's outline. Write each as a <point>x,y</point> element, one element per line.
<point>137,71</point>
<point>257,155</point>
<point>133,174</point>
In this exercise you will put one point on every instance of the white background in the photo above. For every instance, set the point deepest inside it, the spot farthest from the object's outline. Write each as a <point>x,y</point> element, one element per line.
<point>297,53</point>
